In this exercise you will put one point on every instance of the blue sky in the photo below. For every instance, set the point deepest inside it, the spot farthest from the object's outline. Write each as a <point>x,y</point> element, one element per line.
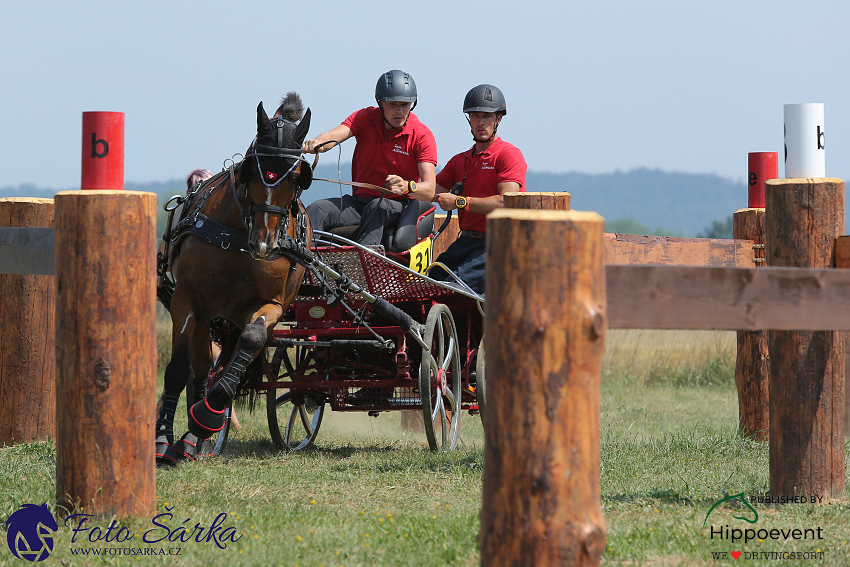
<point>591,87</point>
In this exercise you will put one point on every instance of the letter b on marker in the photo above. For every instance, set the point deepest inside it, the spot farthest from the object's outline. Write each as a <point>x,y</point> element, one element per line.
<point>103,150</point>
<point>95,144</point>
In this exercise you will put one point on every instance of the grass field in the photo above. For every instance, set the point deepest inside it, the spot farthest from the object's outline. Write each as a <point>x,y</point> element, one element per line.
<point>372,494</point>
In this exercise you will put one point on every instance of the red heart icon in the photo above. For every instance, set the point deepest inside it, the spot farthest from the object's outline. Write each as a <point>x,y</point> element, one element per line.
<point>735,554</point>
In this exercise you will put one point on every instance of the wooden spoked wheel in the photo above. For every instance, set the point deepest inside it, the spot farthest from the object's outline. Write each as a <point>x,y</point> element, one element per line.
<point>294,420</point>
<point>439,380</point>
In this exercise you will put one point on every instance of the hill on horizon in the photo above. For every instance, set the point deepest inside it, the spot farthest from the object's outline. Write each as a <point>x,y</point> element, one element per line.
<point>649,201</point>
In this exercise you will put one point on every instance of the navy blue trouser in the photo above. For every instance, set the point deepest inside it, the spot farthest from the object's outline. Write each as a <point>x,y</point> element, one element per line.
<point>465,257</point>
<point>327,214</point>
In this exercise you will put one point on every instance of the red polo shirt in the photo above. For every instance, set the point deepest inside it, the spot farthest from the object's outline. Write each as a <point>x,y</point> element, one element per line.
<point>380,152</point>
<point>500,163</point>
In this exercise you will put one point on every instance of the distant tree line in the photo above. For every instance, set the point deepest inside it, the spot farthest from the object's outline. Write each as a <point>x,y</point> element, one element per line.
<point>640,201</point>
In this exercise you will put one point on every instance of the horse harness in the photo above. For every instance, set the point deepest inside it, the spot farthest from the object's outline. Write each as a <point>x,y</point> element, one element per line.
<point>192,221</point>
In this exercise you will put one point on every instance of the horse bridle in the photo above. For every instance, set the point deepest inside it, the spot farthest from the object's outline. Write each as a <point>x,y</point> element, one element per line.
<point>258,151</point>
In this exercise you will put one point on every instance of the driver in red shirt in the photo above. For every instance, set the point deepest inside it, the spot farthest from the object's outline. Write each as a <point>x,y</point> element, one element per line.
<point>394,150</point>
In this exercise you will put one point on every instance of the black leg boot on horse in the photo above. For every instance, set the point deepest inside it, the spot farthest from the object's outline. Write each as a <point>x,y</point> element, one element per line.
<point>207,416</point>
<point>189,445</point>
<point>187,353</point>
<point>165,430</point>
<point>176,375</point>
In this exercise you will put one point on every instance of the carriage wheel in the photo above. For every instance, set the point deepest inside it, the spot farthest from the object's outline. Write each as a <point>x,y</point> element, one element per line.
<point>293,426</point>
<point>439,380</point>
<point>480,383</point>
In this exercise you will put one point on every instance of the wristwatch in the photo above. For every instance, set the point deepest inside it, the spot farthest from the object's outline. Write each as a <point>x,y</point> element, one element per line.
<point>461,202</point>
<point>411,186</point>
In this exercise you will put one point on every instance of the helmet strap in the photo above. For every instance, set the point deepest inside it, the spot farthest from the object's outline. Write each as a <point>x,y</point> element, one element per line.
<point>387,122</point>
<point>472,130</point>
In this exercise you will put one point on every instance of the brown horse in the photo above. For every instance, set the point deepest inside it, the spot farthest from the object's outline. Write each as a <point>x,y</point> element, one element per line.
<point>232,271</point>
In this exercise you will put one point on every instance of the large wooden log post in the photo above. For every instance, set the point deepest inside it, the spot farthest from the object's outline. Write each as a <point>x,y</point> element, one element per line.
<point>27,348</point>
<point>558,201</point>
<point>804,218</point>
<point>106,351</point>
<point>545,325</point>
<point>751,365</point>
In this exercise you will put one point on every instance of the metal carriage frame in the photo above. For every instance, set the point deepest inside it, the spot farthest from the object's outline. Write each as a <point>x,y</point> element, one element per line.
<point>355,339</point>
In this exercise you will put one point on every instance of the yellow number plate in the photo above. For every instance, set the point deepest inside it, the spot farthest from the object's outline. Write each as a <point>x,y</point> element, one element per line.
<point>420,256</point>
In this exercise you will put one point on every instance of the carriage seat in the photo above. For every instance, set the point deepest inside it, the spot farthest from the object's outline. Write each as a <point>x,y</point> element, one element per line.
<point>415,222</point>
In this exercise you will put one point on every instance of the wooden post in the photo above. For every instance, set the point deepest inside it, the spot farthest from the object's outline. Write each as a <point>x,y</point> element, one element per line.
<point>442,242</point>
<point>27,348</point>
<point>106,351</point>
<point>842,260</point>
<point>545,325</point>
<point>804,218</point>
<point>751,365</point>
<point>559,201</point>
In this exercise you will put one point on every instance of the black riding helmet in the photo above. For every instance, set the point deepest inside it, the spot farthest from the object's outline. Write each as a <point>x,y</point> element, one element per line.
<point>485,98</point>
<point>396,86</point>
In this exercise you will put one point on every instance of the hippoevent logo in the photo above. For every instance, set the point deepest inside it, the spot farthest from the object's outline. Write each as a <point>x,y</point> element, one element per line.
<point>738,534</point>
<point>736,496</point>
<point>29,532</point>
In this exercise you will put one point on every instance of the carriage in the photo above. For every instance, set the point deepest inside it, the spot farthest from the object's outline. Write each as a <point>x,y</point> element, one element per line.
<point>353,328</point>
<point>334,350</point>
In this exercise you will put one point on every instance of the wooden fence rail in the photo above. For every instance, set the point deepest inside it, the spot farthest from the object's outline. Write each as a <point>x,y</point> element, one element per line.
<point>27,251</point>
<point>675,297</point>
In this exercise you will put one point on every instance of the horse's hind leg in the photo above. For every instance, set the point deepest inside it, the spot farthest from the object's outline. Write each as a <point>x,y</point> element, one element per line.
<point>188,446</point>
<point>207,416</point>
<point>177,374</point>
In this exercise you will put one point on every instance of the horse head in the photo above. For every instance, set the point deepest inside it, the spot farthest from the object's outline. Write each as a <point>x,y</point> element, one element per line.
<point>272,175</point>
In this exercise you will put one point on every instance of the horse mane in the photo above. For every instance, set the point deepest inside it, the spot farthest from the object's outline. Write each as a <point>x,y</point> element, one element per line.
<point>291,107</point>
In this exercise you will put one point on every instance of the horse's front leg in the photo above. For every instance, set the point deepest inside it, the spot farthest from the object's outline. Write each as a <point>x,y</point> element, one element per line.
<point>207,416</point>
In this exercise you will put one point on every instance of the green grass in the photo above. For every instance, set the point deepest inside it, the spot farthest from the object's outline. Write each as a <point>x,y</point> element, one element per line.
<point>372,494</point>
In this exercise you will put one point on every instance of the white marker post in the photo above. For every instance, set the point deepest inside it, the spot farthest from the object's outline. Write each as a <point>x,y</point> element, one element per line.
<point>804,140</point>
